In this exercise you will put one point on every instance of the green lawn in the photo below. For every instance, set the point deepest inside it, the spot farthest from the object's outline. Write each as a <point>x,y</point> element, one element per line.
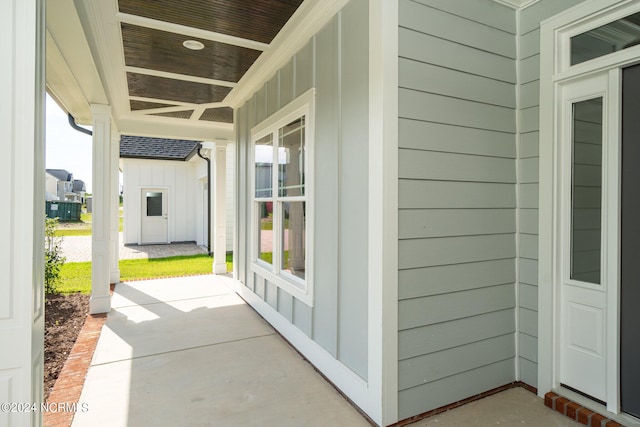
<point>76,276</point>
<point>82,227</point>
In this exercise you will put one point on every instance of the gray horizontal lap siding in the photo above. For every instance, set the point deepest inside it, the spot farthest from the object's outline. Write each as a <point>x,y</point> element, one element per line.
<point>528,163</point>
<point>457,201</point>
<point>336,65</point>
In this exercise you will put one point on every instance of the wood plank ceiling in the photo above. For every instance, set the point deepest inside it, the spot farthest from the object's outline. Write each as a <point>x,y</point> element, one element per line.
<point>163,73</point>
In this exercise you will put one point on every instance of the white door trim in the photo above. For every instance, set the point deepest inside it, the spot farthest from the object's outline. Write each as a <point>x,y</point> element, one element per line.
<point>555,69</point>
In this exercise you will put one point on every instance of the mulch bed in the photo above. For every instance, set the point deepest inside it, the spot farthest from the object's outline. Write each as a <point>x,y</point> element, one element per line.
<point>64,317</point>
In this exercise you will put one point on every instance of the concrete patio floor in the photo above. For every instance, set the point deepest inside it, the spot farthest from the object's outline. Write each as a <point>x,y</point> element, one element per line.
<point>190,352</point>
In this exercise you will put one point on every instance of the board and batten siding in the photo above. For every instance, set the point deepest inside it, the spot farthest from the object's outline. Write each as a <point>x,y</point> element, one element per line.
<point>528,163</point>
<point>201,196</point>
<point>335,63</point>
<point>457,201</point>
<point>178,178</point>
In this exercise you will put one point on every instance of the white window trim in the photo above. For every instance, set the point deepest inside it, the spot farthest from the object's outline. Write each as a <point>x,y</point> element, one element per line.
<point>304,105</point>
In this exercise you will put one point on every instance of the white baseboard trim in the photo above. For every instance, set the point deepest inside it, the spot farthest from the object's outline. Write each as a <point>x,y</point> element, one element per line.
<point>352,385</point>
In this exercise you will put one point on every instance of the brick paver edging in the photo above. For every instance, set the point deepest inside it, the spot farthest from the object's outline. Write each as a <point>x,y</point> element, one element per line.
<point>576,412</point>
<point>68,386</point>
<point>167,277</point>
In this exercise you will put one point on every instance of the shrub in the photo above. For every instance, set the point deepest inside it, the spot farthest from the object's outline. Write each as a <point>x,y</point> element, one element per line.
<point>53,256</point>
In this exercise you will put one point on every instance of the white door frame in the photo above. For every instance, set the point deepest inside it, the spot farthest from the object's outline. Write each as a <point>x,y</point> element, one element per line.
<point>555,70</point>
<point>165,190</point>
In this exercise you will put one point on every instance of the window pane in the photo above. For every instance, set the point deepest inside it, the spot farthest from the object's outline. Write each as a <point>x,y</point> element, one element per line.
<point>264,166</point>
<point>586,191</point>
<point>606,39</point>
<point>154,203</point>
<point>265,231</point>
<point>291,159</point>
<point>293,249</point>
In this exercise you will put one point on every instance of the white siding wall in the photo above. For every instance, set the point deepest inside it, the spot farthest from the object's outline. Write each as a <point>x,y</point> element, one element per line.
<point>335,63</point>
<point>200,175</point>
<point>51,184</point>
<point>178,178</point>
<point>457,201</point>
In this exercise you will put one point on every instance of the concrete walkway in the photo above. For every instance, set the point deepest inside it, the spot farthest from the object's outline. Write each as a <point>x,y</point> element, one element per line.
<point>190,352</point>
<point>78,249</point>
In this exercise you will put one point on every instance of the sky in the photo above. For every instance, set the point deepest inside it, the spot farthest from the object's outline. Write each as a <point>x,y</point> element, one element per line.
<point>66,147</point>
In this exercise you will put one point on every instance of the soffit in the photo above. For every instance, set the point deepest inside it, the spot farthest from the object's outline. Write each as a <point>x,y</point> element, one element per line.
<point>166,79</point>
<point>155,84</point>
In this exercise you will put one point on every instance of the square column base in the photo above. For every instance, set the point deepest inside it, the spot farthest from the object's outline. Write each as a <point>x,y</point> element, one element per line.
<point>99,305</point>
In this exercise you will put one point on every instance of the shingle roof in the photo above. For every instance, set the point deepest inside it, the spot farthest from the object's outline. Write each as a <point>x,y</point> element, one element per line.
<point>79,185</point>
<point>141,147</point>
<point>61,174</point>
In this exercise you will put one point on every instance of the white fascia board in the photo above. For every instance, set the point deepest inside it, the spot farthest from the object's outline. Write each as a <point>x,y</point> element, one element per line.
<point>71,71</point>
<point>168,127</point>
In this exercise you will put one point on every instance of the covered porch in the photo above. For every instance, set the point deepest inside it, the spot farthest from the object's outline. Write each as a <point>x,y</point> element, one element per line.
<point>191,352</point>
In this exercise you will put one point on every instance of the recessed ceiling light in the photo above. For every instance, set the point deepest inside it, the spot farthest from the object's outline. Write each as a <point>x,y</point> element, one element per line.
<point>193,45</point>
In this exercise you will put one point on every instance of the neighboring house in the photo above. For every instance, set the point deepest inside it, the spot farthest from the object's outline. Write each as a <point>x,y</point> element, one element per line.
<point>80,188</point>
<point>450,208</point>
<point>165,187</point>
<point>60,185</point>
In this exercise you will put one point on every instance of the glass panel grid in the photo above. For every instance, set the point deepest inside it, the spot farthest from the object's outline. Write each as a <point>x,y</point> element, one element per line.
<point>293,248</point>
<point>586,191</point>
<point>265,231</point>
<point>291,159</point>
<point>612,37</point>
<point>263,164</point>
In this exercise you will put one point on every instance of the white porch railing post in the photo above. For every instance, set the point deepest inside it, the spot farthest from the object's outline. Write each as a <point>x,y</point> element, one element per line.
<point>220,211</point>
<point>100,301</point>
<point>114,238</point>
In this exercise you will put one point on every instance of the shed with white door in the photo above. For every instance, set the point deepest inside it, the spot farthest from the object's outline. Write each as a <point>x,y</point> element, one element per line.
<point>165,191</point>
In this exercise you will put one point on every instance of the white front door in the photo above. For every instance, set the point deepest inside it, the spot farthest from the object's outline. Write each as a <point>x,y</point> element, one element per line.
<point>588,144</point>
<point>155,218</point>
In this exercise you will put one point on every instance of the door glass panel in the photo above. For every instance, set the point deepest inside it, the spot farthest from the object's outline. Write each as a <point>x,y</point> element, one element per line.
<point>609,38</point>
<point>154,203</point>
<point>293,238</point>
<point>291,152</point>
<point>263,157</point>
<point>586,191</point>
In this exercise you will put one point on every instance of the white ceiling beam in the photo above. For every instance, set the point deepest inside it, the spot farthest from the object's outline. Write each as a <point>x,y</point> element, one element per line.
<point>190,31</point>
<point>162,101</point>
<point>170,127</point>
<point>177,105</point>
<point>176,76</point>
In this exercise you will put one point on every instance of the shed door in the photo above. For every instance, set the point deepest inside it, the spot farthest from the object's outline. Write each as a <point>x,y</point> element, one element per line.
<point>155,218</point>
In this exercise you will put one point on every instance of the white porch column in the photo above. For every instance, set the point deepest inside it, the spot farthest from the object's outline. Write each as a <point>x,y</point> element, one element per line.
<point>100,301</point>
<point>114,237</point>
<point>22,29</point>
<point>220,209</point>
